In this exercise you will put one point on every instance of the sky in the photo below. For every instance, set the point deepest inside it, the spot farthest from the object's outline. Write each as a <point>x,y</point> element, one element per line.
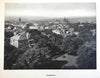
<point>50,9</point>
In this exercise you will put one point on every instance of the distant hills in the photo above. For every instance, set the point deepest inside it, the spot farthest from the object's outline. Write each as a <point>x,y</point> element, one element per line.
<point>82,19</point>
<point>31,19</point>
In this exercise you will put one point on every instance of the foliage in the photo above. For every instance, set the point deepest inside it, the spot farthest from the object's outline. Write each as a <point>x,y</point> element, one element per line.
<point>87,55</point>
<point>11,55</point>
<point>47,46</point>
<point>8,34</point>
<point>32,57</point>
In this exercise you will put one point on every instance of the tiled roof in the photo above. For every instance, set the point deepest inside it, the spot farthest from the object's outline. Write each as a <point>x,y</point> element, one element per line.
<point>20,36</point>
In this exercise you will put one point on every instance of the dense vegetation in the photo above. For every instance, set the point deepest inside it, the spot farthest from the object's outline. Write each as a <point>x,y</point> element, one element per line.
<point>46,48</point>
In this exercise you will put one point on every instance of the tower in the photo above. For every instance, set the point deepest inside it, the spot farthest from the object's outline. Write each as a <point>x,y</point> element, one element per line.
<point>19,19</point>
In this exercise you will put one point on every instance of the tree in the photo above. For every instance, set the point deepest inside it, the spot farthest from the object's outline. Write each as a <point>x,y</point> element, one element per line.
<point>87,55</point>
<point>8,34</point>
<point>11,56</point>
<point>32,57</point>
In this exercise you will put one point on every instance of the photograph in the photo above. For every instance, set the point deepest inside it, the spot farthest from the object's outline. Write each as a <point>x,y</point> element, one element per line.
<point>58,36</point>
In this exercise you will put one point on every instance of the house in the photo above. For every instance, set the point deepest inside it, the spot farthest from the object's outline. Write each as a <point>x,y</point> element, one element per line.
<point>81,25</point>
<point>76,33</point>
<point>93,32</point>
<point>33,27</point>
<point>40,28</point>
<point>17,30</point>
<point>20,41</point>
<point>47,27</point>
<point>56,31</point>
<point>69,31</point>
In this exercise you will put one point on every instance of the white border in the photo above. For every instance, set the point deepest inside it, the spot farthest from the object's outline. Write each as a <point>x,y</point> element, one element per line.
<point>42,73</point>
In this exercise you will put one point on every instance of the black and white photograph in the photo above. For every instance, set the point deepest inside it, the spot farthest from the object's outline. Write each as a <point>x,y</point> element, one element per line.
<point>42,36</point>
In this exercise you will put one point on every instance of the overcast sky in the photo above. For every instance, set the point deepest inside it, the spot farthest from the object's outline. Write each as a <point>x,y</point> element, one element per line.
<point>50,9</point>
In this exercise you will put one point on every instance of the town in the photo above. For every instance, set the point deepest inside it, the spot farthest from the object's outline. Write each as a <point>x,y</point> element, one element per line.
<point>49,44</point>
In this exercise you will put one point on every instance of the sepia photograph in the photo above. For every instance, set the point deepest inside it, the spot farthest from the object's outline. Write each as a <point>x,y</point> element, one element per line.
<point>50,36</point>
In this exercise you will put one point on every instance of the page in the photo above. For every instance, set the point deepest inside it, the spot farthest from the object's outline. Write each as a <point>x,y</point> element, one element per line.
<point>49,39</point>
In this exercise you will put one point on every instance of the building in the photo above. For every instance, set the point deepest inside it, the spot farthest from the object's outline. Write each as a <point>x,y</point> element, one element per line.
<point>68,32</point>
<point>33,27</point>
<point>93,32</point>
<point>47,27</point>
<point>20,41</point>
<point>19,19</point>
<point>81,25</point>
<point>76,33</point>
<point>56,31</point>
